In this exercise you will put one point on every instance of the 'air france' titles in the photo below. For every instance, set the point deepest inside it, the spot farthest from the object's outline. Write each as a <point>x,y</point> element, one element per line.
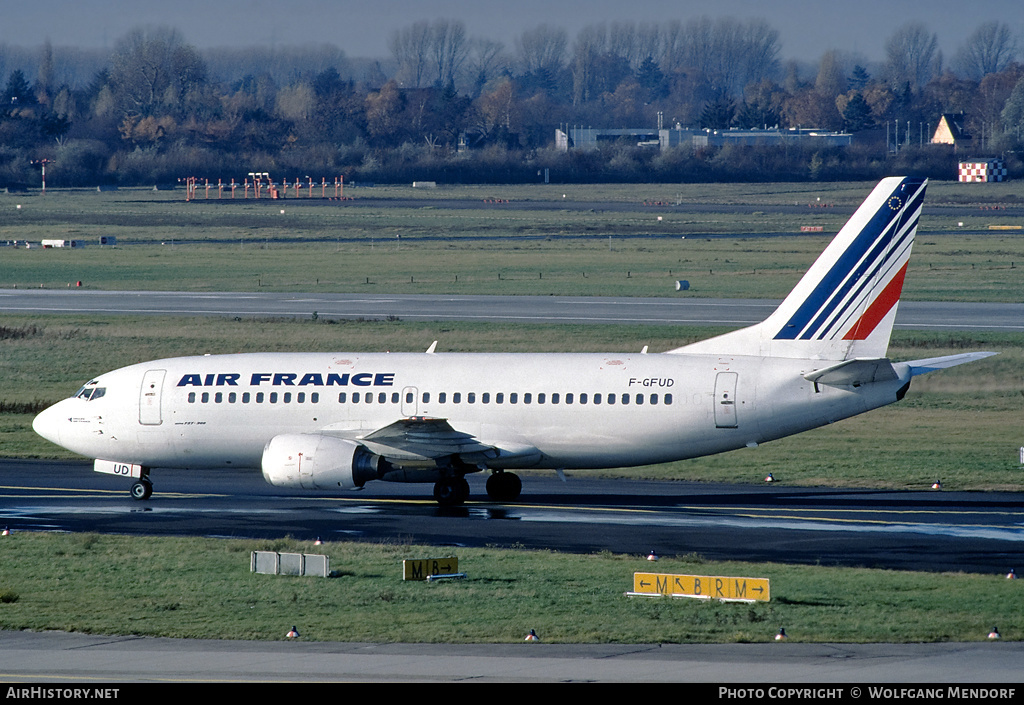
<point>291,379</point>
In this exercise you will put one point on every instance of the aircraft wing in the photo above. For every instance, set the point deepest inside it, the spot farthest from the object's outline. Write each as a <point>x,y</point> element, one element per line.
<point>423,438</point>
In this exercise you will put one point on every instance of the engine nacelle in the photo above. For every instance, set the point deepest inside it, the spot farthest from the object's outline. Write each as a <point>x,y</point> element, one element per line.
<point>317,462</point>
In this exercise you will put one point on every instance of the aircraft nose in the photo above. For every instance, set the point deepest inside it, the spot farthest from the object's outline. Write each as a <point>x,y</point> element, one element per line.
<point>48,423</point>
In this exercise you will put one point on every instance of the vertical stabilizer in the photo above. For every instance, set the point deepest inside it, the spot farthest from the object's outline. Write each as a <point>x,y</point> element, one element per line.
<point>844,306</point>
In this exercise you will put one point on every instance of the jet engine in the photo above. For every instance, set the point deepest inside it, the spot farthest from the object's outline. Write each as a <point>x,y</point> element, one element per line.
<point>318,462</point>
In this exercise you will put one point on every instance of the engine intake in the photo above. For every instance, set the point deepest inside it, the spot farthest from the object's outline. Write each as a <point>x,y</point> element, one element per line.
<point>317,462</point>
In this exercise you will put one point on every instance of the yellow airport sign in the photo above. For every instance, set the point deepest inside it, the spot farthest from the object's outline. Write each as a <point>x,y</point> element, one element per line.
<point>423,568</point>
<point>709,587</point>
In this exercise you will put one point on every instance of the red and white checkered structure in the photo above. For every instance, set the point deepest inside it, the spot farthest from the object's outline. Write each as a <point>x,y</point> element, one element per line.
<point>982,171</point>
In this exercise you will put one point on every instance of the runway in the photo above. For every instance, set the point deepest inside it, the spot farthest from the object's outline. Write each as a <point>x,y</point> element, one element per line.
<point>929,531</point>
<point>939,531</point>
<point>911,315</point>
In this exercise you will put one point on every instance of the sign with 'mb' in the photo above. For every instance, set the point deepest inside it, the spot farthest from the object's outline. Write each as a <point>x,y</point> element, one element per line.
<point>708,587</point>
<point>424,568</point>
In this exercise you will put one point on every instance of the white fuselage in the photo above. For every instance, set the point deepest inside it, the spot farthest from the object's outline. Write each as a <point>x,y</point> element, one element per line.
<point>543,410</point>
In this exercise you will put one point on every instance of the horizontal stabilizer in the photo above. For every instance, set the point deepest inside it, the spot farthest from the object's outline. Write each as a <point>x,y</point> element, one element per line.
<point>920,367</point>
<point>854,373</point>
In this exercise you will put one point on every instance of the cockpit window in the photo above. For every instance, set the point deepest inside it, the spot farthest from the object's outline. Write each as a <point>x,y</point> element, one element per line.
<point>90,393</point>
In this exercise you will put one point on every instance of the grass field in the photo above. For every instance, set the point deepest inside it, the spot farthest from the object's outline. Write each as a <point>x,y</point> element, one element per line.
<point>166,243</point>
<point>202,588</point>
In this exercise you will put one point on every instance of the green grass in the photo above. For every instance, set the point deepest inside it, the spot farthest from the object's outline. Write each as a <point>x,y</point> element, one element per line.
<point>202,588</point>
<point>335,246</point>
<point>960,425</point>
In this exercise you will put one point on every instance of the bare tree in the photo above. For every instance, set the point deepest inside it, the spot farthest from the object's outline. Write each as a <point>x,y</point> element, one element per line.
<point>542,48</point>
<point>449,48</point>
<point>990,49</point>
<point>912,56</point>
<point>485,59</point>
<point>411,48</point>
<point>152,66</point>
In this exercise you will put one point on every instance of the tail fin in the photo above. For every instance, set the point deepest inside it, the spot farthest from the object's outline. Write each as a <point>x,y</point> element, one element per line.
<point>844,306</point>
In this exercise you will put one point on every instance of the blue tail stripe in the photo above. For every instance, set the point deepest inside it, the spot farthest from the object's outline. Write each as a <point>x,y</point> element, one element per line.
<point>878,259</point>
<point>843,313</point>
<point>829,292</point>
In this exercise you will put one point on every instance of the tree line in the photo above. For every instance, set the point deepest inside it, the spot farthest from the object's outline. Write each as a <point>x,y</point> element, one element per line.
<point>450,107</point>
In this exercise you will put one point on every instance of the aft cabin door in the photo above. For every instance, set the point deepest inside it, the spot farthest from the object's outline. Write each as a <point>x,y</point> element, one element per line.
<point>149,398</point>
<point>725,399</point>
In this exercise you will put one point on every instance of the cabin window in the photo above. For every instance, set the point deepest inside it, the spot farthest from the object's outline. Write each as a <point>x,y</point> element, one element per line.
<point>232,398</point>
<point>287,397</point>
<point>528,398</point>
<point>408,397</point>
<point>273,397</point>
<point>246,397</point>
<point>513,398</point>
<point>597,398</point>
<point>457,398</point>
<point>639,398</point>
<point>554,398</point>
<point>668,398</point>
<point>541,397</point>
<point>342,397</point>
<point>471,397</point>
<point>382,398</point>
<point>191,397</point>
<point>206,398</point>
<point>218,397</point>
<point>654,398</point>
<point>583,398</point>
<point>394,397</point>
<point>300,397</point>
<point>314,397</point>
<point>442,397</point>
<point>486,398</point>
<point>499,398</point>
<point>259,397</point>
<point>426,397</point>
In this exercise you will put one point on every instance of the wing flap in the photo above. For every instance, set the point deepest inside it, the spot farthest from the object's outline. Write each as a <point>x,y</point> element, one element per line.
<point>421,438</point>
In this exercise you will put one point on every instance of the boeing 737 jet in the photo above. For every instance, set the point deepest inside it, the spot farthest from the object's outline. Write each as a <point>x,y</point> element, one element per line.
<point>332,421</point>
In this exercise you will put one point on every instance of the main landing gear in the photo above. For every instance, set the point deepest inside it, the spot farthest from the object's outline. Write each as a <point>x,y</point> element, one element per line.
<point>143,487</point>
<point>504,487</point>
<point>501,487</point>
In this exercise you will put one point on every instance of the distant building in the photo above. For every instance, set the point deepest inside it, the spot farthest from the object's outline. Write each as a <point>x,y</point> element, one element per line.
<point>591,138</point>
<point>982,170</point>
<point>952,130</point>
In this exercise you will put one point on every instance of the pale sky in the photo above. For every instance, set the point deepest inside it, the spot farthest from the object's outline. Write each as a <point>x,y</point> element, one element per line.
<point>361,28</point>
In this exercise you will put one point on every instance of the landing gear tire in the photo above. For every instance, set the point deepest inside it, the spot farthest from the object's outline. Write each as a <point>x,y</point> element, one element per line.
<point>504,487</point>
<point>451,492</point>
<point>143,489</point>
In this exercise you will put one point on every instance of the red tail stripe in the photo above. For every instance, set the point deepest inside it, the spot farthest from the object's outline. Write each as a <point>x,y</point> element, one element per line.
<point>878,308</point>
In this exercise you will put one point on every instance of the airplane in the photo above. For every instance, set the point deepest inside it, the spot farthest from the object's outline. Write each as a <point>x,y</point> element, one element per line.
<point>332,421</point>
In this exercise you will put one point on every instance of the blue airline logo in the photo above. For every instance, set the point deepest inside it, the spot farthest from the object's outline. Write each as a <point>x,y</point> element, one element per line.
<point>290,379</point>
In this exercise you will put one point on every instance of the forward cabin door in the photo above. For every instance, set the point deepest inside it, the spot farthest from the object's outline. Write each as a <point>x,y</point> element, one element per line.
<point>725,399</point>
<point>149,398</point>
